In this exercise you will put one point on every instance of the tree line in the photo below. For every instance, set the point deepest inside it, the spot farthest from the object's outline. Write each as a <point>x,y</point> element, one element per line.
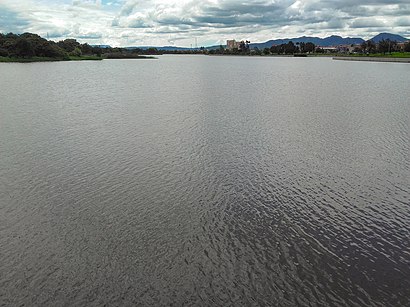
<point>28,45</point>
<point>288,48</point>
<point>384,46</point>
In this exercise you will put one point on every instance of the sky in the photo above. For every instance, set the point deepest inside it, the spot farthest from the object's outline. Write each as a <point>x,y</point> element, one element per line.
<point>207,22</point>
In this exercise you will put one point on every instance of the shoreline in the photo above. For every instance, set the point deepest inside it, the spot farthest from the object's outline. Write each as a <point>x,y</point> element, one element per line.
<point>372,59</point>
<point>46,59</point>
<point>71,59</point>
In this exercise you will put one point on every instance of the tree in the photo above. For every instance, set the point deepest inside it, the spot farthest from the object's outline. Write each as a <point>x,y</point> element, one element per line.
<point>68,45</point>
<point>152,50</point>
<point>274,49</point>
<point>407,47</point>
<point>4,52</point>
<point>290,48</point>
<point>76,52</point>
<point>86,49</point>
<point>97,51</point>
<point>369,46</point>
<point>319,50</point>
<point>301,46</point>
<point>51,50</point>
<point>256,51</point>
<point>23,48</point>
<point>385,46</point>
<point>310,47</point>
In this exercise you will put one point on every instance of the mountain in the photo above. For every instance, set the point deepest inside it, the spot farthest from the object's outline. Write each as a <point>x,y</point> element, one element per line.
<point>386,36</point>
<point>333,40</point>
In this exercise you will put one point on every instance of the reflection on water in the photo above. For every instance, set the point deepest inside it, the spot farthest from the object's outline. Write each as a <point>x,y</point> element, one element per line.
<point>205,181</point>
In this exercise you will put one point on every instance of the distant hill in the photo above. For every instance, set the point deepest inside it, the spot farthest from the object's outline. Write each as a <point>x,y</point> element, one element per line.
<point>386,36</point>
<point>333,40</point>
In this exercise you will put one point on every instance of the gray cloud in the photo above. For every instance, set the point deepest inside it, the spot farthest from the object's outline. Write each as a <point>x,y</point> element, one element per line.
<point>166,21</point>
<point>56,33</point>
<point>403,22</point>
<point>367,23</point>
<point>10,21</point>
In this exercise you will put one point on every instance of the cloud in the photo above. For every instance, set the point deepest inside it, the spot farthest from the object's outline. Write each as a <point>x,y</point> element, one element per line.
<point>11,21</point>
<point>87,3</point>
<point>159,22</point>
<point>57,33</point>
<point>402,22</point>
<point>367,23</point>
<point>89,35</point>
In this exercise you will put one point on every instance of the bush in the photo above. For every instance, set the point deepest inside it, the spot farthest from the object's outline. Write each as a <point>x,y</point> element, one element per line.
<point>23,48</point>
<point>76,52</point>
<point>4,52</point>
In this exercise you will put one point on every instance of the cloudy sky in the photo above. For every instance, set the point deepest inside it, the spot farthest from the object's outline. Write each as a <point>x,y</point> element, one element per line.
<point>209,22</point>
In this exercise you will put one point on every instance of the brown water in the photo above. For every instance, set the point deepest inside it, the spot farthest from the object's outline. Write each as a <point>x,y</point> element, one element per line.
<point>196,180</point>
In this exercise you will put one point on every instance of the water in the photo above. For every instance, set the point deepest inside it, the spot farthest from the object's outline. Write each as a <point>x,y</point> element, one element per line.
<point>194,180</point>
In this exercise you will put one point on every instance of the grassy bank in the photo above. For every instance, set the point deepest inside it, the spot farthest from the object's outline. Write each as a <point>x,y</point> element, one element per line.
<point>85,58</point>
<point>71,58</point>
<point>28,60</point>
<point>373,59</point>
<point>379,55</point>
<point>45,59</point>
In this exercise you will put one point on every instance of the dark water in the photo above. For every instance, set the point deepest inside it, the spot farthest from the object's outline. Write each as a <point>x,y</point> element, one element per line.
<point>205,181</point>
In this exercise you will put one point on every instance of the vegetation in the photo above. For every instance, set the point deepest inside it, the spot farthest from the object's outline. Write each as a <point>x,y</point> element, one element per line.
<point>27,60</point>
<point>407,47</point>
<point>283,49</point>
<point>384,48</point>
<point>28,47</point>
<point>379,55</point>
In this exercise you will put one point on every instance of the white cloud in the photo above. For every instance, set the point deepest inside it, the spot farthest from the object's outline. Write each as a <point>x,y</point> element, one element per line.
<point>161,22</point>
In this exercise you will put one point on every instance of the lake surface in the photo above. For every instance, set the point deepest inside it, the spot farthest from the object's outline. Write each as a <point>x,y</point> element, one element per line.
<point>197,181</point>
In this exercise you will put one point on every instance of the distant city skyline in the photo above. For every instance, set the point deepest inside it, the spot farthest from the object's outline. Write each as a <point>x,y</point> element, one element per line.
<point>209,22</point>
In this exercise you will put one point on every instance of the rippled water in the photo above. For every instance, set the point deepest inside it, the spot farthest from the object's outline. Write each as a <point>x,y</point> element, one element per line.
<point>205,181</point>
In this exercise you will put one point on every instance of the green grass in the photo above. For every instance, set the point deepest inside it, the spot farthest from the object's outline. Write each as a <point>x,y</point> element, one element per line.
<point>45,59</point>
<point>85,58</point>
<point>377,55</point>
<point>380,55</point>
<point>27,60</point>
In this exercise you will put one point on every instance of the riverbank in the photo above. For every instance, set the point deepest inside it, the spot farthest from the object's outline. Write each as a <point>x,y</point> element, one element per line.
<point>48,59</point>
<point>70,58</point>
<point>372,59</point>
<point>121,56</point>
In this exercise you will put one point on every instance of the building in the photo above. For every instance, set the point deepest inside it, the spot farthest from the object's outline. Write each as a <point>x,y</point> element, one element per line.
<point>328,49</point>
<point>401,46</point>
<point>232,44</point>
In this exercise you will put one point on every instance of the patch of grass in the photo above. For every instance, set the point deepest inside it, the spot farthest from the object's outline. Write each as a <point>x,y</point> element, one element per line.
<point>85,58</point>
<point>28,60</point>
<point>380,55</point>
<point>45,59</point>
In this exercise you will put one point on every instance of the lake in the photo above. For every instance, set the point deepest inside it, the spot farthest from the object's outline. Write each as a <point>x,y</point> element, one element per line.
<point>200,180</point>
